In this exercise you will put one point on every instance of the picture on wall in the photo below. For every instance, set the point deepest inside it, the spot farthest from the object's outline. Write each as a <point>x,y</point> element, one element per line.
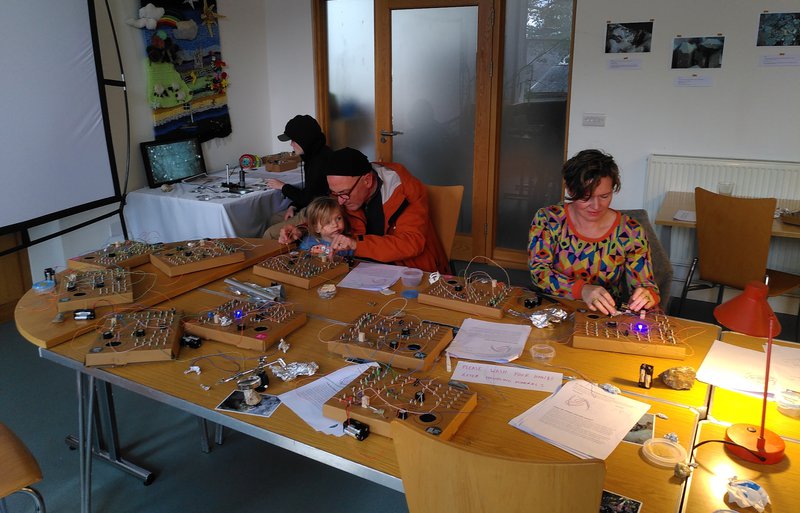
<point>779,29</point>
<point>629,37</point>
<point>697,52</point>
<point>186,77</point>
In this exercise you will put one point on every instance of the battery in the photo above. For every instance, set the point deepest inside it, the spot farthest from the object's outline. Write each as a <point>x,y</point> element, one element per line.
<point>645,375</point>
<point>356,429</point>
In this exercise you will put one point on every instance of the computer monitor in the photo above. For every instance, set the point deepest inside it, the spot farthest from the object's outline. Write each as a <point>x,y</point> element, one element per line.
<point>173,160</point>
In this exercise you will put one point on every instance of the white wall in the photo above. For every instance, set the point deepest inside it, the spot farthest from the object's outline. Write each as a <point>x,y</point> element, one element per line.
<point>268,47</point>
<point>748,112</point>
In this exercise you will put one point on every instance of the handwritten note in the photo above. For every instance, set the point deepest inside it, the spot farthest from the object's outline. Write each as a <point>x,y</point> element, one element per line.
<point>514,377</point>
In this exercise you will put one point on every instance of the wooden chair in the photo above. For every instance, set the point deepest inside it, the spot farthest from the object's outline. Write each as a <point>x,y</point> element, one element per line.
<point>18,469</point>
<point>444,204</point>
<point>733,236</point>
<point>444,477</point>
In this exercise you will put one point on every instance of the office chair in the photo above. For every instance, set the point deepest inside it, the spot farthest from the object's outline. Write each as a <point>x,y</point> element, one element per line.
<point>733,236</point>
<point>444,205</point>
<point>444,477</point>
<point>662,267</point>
<point>19,469</point>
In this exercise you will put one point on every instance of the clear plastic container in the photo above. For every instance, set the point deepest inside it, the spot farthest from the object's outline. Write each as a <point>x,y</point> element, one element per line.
<point>411,277</point>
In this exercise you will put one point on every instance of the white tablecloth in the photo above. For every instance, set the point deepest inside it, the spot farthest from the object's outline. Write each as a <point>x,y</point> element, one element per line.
<point>194,211</point>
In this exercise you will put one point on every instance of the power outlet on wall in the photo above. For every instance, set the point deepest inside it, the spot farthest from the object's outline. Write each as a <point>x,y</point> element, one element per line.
<point>594,119</point>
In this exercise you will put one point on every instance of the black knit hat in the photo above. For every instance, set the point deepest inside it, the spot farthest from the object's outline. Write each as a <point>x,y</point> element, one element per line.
<point>301,128</point>
<point>347,162</point>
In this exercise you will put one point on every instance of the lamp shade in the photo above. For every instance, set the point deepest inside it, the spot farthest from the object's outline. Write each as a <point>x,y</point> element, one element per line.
<point>749,312</point>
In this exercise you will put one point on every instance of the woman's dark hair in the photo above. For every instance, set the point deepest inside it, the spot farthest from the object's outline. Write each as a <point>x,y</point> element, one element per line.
<point>582,173</point>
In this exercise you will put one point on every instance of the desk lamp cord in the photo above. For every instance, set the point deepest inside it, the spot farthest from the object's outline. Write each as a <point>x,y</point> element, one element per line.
<point>754,453</point>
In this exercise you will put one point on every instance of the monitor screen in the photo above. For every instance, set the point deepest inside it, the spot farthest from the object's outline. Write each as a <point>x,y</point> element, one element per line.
<point>172,161</point>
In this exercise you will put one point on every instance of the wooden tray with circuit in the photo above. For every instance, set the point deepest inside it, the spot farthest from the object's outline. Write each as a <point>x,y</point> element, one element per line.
<point>484,297</point>
<point>178,258</point>
<point>127,253</point>
<point>301,268</point>
<point>93,288</point>
<point>136,337</point>
<point>791,218</point>
<point>279,162</point>
<point>628,333</point>
<point>380,395</point>
<point>250,325</point>
<point>395,341</point>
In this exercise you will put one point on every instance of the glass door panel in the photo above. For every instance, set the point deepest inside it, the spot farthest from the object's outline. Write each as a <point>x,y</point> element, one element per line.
<point>534,110</point>
<point>433,76</point>
<point>351,75</point>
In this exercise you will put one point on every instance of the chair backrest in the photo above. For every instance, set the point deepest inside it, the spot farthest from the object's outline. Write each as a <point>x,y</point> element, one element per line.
<point>662,267</point>
<point>19,467</point>
<point>733,237</point>
<point>444,205</point>
<point>444,477</point>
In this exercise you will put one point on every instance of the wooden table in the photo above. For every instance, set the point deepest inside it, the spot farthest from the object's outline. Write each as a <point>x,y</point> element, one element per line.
<point>732,407</point>
<point>486,428</point>
<point>675,201</point>
<point>707,487</point>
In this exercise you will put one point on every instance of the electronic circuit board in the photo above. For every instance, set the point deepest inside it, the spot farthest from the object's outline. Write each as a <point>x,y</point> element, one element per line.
<point>482,296</point>
<point>178,258</point>
<point>628,333</point>
<point>301,268</point>
<point>127,253</point>
<point>250,325</point>
<point>90,289</point>
<point>396,341</point>
<point>380,395</point>
<point>133,337</point>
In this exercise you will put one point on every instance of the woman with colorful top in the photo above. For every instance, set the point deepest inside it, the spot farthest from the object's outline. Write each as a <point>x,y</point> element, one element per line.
<point>585,250</point>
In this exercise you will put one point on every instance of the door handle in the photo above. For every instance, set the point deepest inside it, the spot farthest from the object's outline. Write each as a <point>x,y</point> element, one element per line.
<point>389,133</point>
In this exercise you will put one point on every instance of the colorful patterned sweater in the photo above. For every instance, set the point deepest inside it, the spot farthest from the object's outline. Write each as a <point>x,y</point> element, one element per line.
<point>562,261</point>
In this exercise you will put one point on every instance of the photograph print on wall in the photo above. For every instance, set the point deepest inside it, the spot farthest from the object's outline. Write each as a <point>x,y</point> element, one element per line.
<point>629,37</point>
<point>697,52</point>
<point>779,29</point>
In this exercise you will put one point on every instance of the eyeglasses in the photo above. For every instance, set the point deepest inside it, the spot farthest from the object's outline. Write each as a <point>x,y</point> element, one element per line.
<point>346,195</point>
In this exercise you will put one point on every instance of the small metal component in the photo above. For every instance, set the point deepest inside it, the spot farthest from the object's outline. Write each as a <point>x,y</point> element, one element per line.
<point>83,314</point>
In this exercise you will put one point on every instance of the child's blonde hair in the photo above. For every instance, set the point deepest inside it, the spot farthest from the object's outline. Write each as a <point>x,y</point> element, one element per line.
<point>320,211</point>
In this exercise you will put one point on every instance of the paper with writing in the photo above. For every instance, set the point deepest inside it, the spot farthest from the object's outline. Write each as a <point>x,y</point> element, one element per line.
<point>370,276</point>
<point>307,401</point>
<point>515,377</point>
<point>489,341</point>
<point>582,419</point>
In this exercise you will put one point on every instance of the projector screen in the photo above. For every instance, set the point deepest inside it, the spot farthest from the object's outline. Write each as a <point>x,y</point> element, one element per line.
<point>56,158</point>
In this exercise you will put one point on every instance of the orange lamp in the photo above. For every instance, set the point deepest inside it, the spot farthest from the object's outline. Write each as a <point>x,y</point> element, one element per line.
<point>750,313</point>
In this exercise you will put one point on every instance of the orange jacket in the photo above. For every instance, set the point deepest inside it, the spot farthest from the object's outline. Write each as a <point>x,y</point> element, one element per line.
<point>410,238</point>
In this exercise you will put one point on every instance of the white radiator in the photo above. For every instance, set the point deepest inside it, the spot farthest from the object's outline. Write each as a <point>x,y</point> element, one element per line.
<point>752,178</point>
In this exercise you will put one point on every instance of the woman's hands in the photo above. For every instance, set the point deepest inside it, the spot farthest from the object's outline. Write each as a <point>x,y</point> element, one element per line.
<point>641,298</point>
<point>598,299</point>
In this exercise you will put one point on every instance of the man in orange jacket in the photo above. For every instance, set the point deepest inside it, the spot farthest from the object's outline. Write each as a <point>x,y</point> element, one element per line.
<point>388,212</point>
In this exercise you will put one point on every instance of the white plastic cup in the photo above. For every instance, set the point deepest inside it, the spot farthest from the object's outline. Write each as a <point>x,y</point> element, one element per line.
<point>411,277</point>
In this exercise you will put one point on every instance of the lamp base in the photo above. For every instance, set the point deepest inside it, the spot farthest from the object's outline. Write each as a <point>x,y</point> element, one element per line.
<point>747,436</point>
